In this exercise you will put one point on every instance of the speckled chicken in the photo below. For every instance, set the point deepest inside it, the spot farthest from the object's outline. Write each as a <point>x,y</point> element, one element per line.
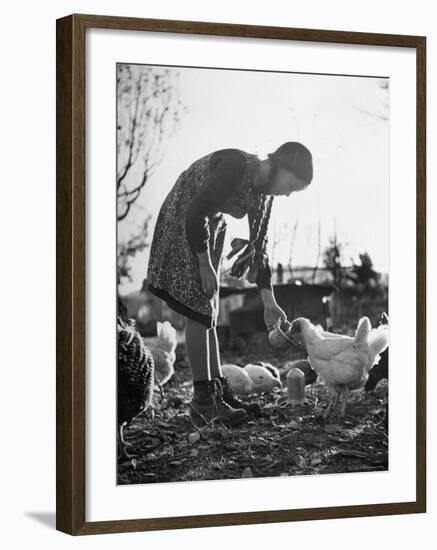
<point>135,376</point>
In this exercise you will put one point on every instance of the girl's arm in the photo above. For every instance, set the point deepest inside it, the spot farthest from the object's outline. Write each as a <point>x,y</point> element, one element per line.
<point>273,314</point>
<point>264,278</point>
<point>208,276</point>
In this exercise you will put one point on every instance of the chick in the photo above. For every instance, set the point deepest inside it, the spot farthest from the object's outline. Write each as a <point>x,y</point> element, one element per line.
<point>263,381</point>
<point>274,370</point>
<point>239,378</point>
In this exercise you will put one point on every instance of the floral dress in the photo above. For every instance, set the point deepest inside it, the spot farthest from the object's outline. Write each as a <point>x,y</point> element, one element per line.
<point>191,220</point>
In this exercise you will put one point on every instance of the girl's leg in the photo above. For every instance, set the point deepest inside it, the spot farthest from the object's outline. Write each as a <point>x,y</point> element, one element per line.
<point>207,405</point>
<point>197,342</point>
<point>214,354</point>
<point>216,371</point>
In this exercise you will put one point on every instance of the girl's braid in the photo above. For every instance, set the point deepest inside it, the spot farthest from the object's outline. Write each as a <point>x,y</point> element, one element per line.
<point>259,223</point>
<point>252,252</point>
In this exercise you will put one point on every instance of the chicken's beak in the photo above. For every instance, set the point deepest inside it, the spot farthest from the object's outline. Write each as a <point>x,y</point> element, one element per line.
<point>294,333</point>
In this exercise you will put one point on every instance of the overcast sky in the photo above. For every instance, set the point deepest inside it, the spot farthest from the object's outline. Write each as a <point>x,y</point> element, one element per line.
<point>343,121</point>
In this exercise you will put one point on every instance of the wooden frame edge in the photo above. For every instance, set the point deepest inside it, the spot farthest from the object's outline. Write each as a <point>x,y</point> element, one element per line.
<point>70,274</point>
<point>245,31</point>
<point>421,462</point>
<point>247,518</point>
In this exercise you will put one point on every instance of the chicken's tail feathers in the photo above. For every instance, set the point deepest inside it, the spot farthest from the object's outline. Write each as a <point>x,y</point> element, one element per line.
<point>378,340</point>
<point>362,332</point>
<point>384,319</point>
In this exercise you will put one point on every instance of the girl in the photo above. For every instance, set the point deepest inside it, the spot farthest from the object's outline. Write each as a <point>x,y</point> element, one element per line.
<point>187,248</point>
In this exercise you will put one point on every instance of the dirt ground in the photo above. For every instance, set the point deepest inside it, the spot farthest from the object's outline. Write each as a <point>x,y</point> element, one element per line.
<point>286,441</point>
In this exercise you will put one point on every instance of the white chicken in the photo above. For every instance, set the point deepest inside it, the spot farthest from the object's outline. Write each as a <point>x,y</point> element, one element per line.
<point>264,377</point>
<point>163,351</point>
<point>343,362</point>
<point>251,378</point>
<point>274,370</point>
<point>239,378</point>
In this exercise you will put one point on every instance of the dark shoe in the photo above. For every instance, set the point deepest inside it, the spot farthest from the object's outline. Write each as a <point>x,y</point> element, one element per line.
<point>208,406</point>
<point>231,399</point>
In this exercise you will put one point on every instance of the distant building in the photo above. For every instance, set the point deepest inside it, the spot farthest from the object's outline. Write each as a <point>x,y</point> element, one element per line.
<point>296,299</point>
<point>241,311</point>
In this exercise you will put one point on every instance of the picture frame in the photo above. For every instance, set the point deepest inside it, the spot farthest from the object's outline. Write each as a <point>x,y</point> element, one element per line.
<point>71,277</point>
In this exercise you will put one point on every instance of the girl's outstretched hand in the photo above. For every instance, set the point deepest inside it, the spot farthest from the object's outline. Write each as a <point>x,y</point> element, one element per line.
<point>273,315</point>
<point>208,278</point>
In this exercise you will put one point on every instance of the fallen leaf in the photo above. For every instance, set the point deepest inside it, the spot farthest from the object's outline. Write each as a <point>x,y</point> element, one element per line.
<point>162,424</point>
<point>205,432</point>
<point>193,438</point>
<point>350,452</point>
<point>168,450</point>
<point>152,443</point>
<point>300,461</point>
<point>332,428</point>
<point>295,426</point>
<point>339,439</point>
<point>367,430</point>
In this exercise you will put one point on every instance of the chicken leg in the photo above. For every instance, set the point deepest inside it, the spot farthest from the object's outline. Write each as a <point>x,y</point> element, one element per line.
<point>333,400</point>
<point>344,392</point>
<point>122,442</point>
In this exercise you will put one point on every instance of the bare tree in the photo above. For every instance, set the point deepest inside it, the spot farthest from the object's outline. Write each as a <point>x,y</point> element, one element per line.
<point>380,108</point>
<point>274,242</point>
<point>129,248</point>
<point>333,259</point>
<point>366,281</point>
<point>148,110</point>
<point>292,242</point>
